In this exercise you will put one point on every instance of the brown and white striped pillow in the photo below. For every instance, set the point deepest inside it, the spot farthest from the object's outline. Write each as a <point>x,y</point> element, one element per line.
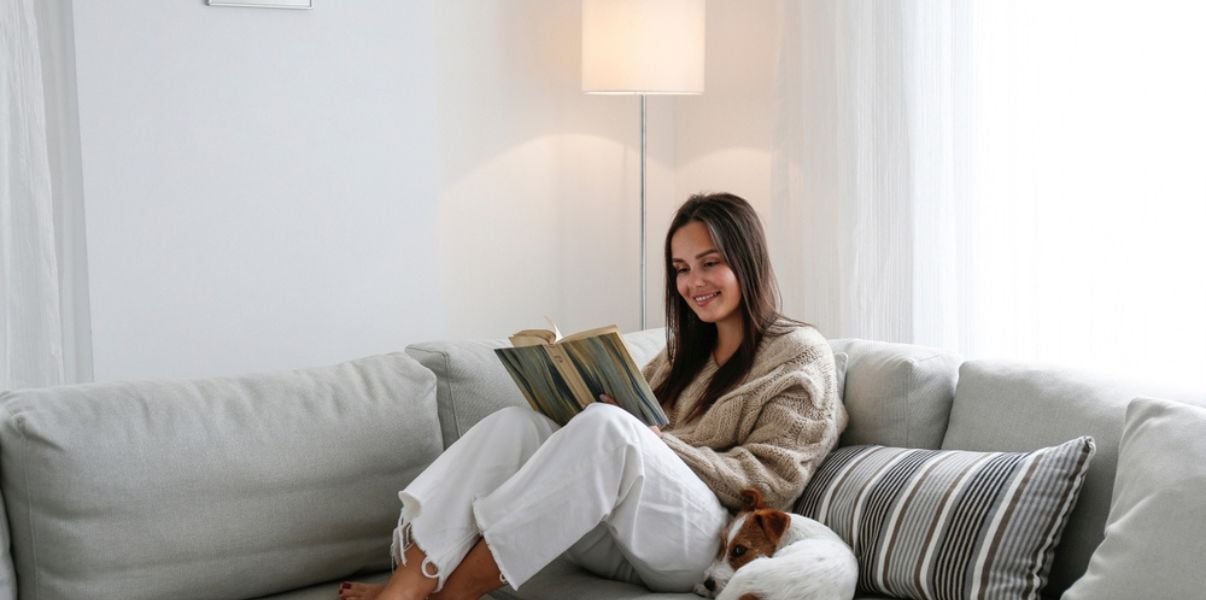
<point>949,524</point>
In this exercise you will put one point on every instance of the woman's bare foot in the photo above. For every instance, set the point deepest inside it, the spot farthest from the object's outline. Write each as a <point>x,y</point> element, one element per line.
<point>407,582</point>
<point>360,591</point>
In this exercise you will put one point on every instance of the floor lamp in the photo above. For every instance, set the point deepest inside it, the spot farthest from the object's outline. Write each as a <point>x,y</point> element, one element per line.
<point>643,47</point>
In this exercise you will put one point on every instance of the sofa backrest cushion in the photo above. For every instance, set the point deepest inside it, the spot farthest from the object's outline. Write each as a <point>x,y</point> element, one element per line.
<point>8,575</point>
<point>215,488</point>
<point>1153,539</point>
<point>473,383</point>
<point>897,394</point>
<point>1005,406</point>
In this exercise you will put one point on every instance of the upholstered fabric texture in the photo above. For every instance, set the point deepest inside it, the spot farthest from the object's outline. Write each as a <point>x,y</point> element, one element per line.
<point>896,394</point>
<point>1011,406</point>
<point>328,590</point>
<point>8,576</point>
<point>1154,534</point>
<point>840,361</point>
<point>217,488</point>
<point>473,383</point>
<point>563,580</point>
<point>949,524</point>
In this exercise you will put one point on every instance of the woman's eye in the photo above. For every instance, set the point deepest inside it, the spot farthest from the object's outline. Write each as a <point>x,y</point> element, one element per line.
<point>738,550</point>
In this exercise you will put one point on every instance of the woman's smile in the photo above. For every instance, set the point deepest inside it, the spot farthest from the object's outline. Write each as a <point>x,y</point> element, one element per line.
<point>705,299</point>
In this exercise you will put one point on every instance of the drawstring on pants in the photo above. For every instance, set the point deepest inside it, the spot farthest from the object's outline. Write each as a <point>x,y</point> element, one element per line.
<point>401,543</point>
<point>403,539</point>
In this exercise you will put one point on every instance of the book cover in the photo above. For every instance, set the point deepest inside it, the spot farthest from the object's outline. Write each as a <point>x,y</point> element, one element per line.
<point>560,378</point>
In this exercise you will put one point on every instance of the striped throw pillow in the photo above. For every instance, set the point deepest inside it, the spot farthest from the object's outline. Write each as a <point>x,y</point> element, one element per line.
<point>949,524</point>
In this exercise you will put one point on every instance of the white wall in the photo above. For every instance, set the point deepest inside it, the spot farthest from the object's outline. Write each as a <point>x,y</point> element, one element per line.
<point>539,182</point>
<point>259,184</point>
<point>273,189</point>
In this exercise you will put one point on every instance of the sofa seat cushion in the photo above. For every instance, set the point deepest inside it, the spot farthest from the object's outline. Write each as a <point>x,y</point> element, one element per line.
<point>473,383</point>
<point>328,590</point>
<point>1157,523</point>
<point>215,488</point>
<point>1002,405</point>
<point>896,394</point>
<point>563,580</point>
<point>952,524</point>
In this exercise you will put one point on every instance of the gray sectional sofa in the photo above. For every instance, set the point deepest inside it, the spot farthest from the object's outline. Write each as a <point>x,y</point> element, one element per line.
<point>281,485</point>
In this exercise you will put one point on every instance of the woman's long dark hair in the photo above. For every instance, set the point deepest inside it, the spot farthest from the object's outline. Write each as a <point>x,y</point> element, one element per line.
<point>738,235</point>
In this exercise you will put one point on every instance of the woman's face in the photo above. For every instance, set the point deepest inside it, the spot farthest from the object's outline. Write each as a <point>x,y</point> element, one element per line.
<point>703,277</point>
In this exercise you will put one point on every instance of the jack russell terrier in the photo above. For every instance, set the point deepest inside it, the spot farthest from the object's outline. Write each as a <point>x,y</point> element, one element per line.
<point>767,554</point>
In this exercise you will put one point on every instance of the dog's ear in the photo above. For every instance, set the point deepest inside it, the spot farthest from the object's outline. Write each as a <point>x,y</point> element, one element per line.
<point>773,522</point>
<point>751,498</point>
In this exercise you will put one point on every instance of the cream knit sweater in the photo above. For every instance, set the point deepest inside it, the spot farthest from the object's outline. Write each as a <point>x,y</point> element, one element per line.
<point>771,431</point>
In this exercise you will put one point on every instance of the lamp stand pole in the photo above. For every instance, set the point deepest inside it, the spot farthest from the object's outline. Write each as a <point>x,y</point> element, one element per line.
<point>644,278</point>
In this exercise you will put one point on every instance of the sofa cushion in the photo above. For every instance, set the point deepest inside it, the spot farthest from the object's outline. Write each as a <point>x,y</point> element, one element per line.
<point>215,488</point>
<point>562,579</point>
<point>328,590</point>
<point>948,523</point>
<point>840,361</point>
<point>8,576</point>
<point>896,394</point>
<point>1153,536</point>
<point>1012,406</point>
<point>473,383</point>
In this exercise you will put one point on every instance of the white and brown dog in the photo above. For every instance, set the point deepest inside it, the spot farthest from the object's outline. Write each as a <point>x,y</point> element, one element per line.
<point>767,554</point>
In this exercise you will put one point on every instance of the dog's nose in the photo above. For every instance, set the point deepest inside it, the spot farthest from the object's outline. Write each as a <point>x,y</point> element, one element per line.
<point>710,584</point>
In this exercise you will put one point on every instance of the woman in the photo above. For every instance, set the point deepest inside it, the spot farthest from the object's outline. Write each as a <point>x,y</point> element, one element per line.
<point>752,401</point>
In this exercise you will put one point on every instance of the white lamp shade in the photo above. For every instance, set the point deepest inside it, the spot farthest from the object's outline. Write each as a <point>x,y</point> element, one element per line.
<point>643,46</point>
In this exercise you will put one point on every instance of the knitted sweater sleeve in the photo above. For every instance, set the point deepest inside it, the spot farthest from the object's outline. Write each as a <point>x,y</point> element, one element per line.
<point>796,428</point>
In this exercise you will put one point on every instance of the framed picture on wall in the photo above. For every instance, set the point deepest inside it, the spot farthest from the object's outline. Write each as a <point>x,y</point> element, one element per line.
<point>298,4</point>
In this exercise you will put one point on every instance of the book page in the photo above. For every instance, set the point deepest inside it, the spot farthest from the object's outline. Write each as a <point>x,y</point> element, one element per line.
<point>589,333</point>
<point>532,337</point>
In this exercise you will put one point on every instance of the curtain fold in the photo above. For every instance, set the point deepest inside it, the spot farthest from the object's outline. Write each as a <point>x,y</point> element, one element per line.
<point>870,163</point>
<point>1004,179</point>
<point>41,244</point>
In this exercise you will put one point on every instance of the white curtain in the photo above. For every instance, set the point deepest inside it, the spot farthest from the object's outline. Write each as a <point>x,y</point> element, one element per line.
<point>1017,179</point>
<point>43,300</point>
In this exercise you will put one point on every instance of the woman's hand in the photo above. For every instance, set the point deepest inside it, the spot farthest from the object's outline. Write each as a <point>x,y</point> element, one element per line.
<point>612,401</point>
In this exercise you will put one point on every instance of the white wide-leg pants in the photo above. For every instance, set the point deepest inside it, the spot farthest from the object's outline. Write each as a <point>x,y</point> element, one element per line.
<point>604,490</point>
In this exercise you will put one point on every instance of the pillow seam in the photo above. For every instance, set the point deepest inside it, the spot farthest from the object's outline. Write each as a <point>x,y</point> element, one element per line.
<point>19,424</point>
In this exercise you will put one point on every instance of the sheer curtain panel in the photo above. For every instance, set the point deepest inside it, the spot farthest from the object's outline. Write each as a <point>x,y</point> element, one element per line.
<point>43,316</point>
<point>1006,179</point>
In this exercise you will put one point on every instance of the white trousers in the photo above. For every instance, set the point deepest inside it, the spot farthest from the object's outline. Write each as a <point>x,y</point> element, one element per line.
<point>603,490</point>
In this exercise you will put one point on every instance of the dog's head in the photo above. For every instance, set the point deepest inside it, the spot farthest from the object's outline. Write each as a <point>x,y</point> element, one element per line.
<point>754,533</point>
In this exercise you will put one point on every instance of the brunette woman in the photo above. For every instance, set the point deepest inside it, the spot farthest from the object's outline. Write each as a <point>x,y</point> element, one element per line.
<point>752,401</point>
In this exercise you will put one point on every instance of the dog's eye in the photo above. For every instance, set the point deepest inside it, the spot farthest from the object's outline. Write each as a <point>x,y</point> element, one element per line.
<point>738,551</point>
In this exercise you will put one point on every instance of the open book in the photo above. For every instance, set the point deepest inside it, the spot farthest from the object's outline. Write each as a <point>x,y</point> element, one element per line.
<point>561,376</point>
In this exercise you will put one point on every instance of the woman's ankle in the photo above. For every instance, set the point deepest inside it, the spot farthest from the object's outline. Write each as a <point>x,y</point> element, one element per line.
<point>410,581</point>
<point>477,575</point>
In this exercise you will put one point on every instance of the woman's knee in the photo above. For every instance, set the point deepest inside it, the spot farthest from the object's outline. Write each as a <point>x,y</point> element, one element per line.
<point>601,416</point>
<point>517,419</point>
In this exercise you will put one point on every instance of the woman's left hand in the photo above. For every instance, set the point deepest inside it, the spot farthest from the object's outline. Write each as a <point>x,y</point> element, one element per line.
<point>612,401</point>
